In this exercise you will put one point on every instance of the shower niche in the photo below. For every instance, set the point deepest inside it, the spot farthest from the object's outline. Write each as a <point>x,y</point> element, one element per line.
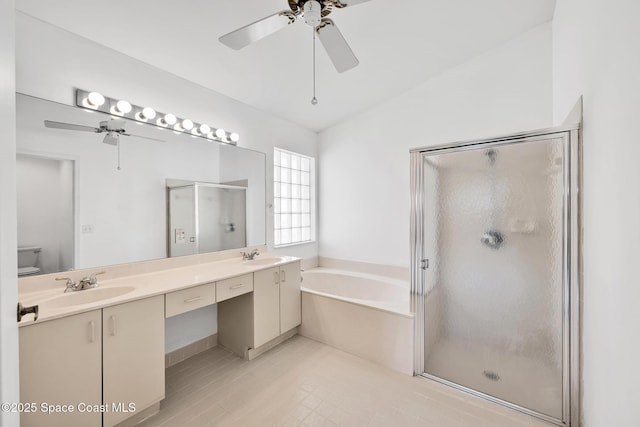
<point>205,217</point>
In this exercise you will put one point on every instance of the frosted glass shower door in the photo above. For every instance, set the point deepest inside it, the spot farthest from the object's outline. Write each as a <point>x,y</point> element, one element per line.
<point>494,218</point>
<point>221,218</point>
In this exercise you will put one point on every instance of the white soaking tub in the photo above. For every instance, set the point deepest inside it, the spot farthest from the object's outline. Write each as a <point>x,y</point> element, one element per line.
<point>363,314</point>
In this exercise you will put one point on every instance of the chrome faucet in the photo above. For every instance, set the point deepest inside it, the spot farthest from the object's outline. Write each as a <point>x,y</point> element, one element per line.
<point>250,256</point>
<point>71,284</point>
<point>88,282</point>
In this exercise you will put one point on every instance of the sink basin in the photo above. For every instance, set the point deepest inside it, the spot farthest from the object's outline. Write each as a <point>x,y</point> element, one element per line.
<point>87,296</point>
<point>264,261</point>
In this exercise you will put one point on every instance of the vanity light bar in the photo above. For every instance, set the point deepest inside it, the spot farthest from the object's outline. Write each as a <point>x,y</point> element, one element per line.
<point>122,108</point>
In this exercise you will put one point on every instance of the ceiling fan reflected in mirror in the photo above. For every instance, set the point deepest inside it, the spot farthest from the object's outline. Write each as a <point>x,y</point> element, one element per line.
<point>112,129</point>
<point>314,13</point>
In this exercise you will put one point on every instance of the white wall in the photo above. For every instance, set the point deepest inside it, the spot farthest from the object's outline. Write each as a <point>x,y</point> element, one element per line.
<point>364,162</point>
<point>51,62</point>
<point>9,388</point>
<point>596,53</point>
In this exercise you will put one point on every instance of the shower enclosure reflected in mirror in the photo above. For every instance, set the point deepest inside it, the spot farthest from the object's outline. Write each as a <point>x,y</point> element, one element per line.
<point>79,211</point>
<point>205,217</point>
<point>495,277</point>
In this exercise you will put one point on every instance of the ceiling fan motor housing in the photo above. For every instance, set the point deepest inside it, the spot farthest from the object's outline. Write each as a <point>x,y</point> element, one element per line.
<point>312,13</point>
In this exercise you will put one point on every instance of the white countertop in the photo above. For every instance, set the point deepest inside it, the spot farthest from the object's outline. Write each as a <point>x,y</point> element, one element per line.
<point>52,304</point>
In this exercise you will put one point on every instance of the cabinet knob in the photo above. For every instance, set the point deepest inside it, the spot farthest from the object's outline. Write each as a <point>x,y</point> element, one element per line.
<point>22,311</point>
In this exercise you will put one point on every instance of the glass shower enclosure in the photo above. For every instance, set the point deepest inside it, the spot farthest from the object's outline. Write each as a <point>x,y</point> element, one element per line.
<point>494,269</point>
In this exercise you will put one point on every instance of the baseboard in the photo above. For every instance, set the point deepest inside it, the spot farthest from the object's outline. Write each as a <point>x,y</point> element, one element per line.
<point>252,353</point>
<point>140,416</point>
<point>192,349</point>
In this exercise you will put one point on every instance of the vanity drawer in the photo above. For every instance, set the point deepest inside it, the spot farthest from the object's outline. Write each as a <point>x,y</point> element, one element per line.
<point>234,286</point>
<point>189,299</point>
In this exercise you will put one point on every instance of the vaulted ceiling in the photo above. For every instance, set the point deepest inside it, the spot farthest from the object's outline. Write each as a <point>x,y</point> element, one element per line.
<point>399,44</point>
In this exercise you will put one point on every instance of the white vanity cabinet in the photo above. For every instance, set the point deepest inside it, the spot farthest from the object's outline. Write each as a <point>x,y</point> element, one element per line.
<point>133,357</point>
<point>266,306</point>
<point>276,302</point>
<point>112,357</point>
<point>60,364</point>
<point>274,308</point>
<point>290,304</point>
<point>106,365</point>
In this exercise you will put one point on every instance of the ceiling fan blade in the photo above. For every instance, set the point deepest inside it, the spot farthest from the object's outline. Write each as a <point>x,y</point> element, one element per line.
<point>253,32</point>
<point>143,137</point>
<point>70,126</point>
<point>354,2</point>
<point>336,46</point>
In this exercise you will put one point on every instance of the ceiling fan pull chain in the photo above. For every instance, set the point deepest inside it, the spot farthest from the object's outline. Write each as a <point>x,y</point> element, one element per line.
<point>314,100</point>
<point>118,143</point>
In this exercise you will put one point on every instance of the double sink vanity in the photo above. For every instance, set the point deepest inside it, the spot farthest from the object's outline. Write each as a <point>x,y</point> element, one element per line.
<point>97,356</point>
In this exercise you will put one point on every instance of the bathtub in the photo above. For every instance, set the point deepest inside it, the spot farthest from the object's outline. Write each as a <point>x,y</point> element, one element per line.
<point>363,314</point>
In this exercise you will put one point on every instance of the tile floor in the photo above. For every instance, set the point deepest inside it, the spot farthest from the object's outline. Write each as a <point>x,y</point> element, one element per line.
<point>304,382</point>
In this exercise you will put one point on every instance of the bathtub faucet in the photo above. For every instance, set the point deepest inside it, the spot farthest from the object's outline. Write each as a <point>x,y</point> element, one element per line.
<point>250,256</point>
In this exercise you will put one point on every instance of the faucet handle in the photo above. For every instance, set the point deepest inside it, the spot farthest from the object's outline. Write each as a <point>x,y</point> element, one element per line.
<point>93,277</point>
<point>71,284</point>
<point>91,280</point>
<point>249,255</point>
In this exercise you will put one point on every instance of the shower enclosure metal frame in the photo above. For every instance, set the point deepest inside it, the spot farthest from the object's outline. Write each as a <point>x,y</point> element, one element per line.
<point>571,267</point>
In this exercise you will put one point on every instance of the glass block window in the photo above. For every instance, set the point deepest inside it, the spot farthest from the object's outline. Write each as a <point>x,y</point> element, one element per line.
<point>292,198</point>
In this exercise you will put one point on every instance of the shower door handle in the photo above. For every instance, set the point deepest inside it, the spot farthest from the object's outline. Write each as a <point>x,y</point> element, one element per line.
<point>424,264</point>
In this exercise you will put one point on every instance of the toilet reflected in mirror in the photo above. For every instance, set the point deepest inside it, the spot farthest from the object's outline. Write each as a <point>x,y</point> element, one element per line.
<point>28,258</point>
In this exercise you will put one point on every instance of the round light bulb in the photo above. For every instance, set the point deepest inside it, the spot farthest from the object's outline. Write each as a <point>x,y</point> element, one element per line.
<point>187,124</point>
<point>234,137</point>
<point>170,119</point>
<point>204,129</point>
<point>148,113</point>
<point>220,133</point>
<point>95,99</point>
<point>123,107</point>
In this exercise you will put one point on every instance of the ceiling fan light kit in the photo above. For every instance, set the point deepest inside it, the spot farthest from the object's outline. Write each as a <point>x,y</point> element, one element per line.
<point>123,109</point>
<point>312,13</point>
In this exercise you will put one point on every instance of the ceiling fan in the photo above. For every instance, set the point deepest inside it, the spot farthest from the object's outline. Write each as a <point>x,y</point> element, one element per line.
<point>111,128</point>
<point>315,14</point>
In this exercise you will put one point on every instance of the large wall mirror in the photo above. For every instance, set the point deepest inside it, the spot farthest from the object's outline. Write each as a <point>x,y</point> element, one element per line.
<point>85,203</point>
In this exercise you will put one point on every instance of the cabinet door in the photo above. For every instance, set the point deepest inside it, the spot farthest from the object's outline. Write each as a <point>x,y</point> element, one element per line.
<point>60,364</point>
<point>290,312</point>
<point>266,306</point>
<point>133,357</point>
